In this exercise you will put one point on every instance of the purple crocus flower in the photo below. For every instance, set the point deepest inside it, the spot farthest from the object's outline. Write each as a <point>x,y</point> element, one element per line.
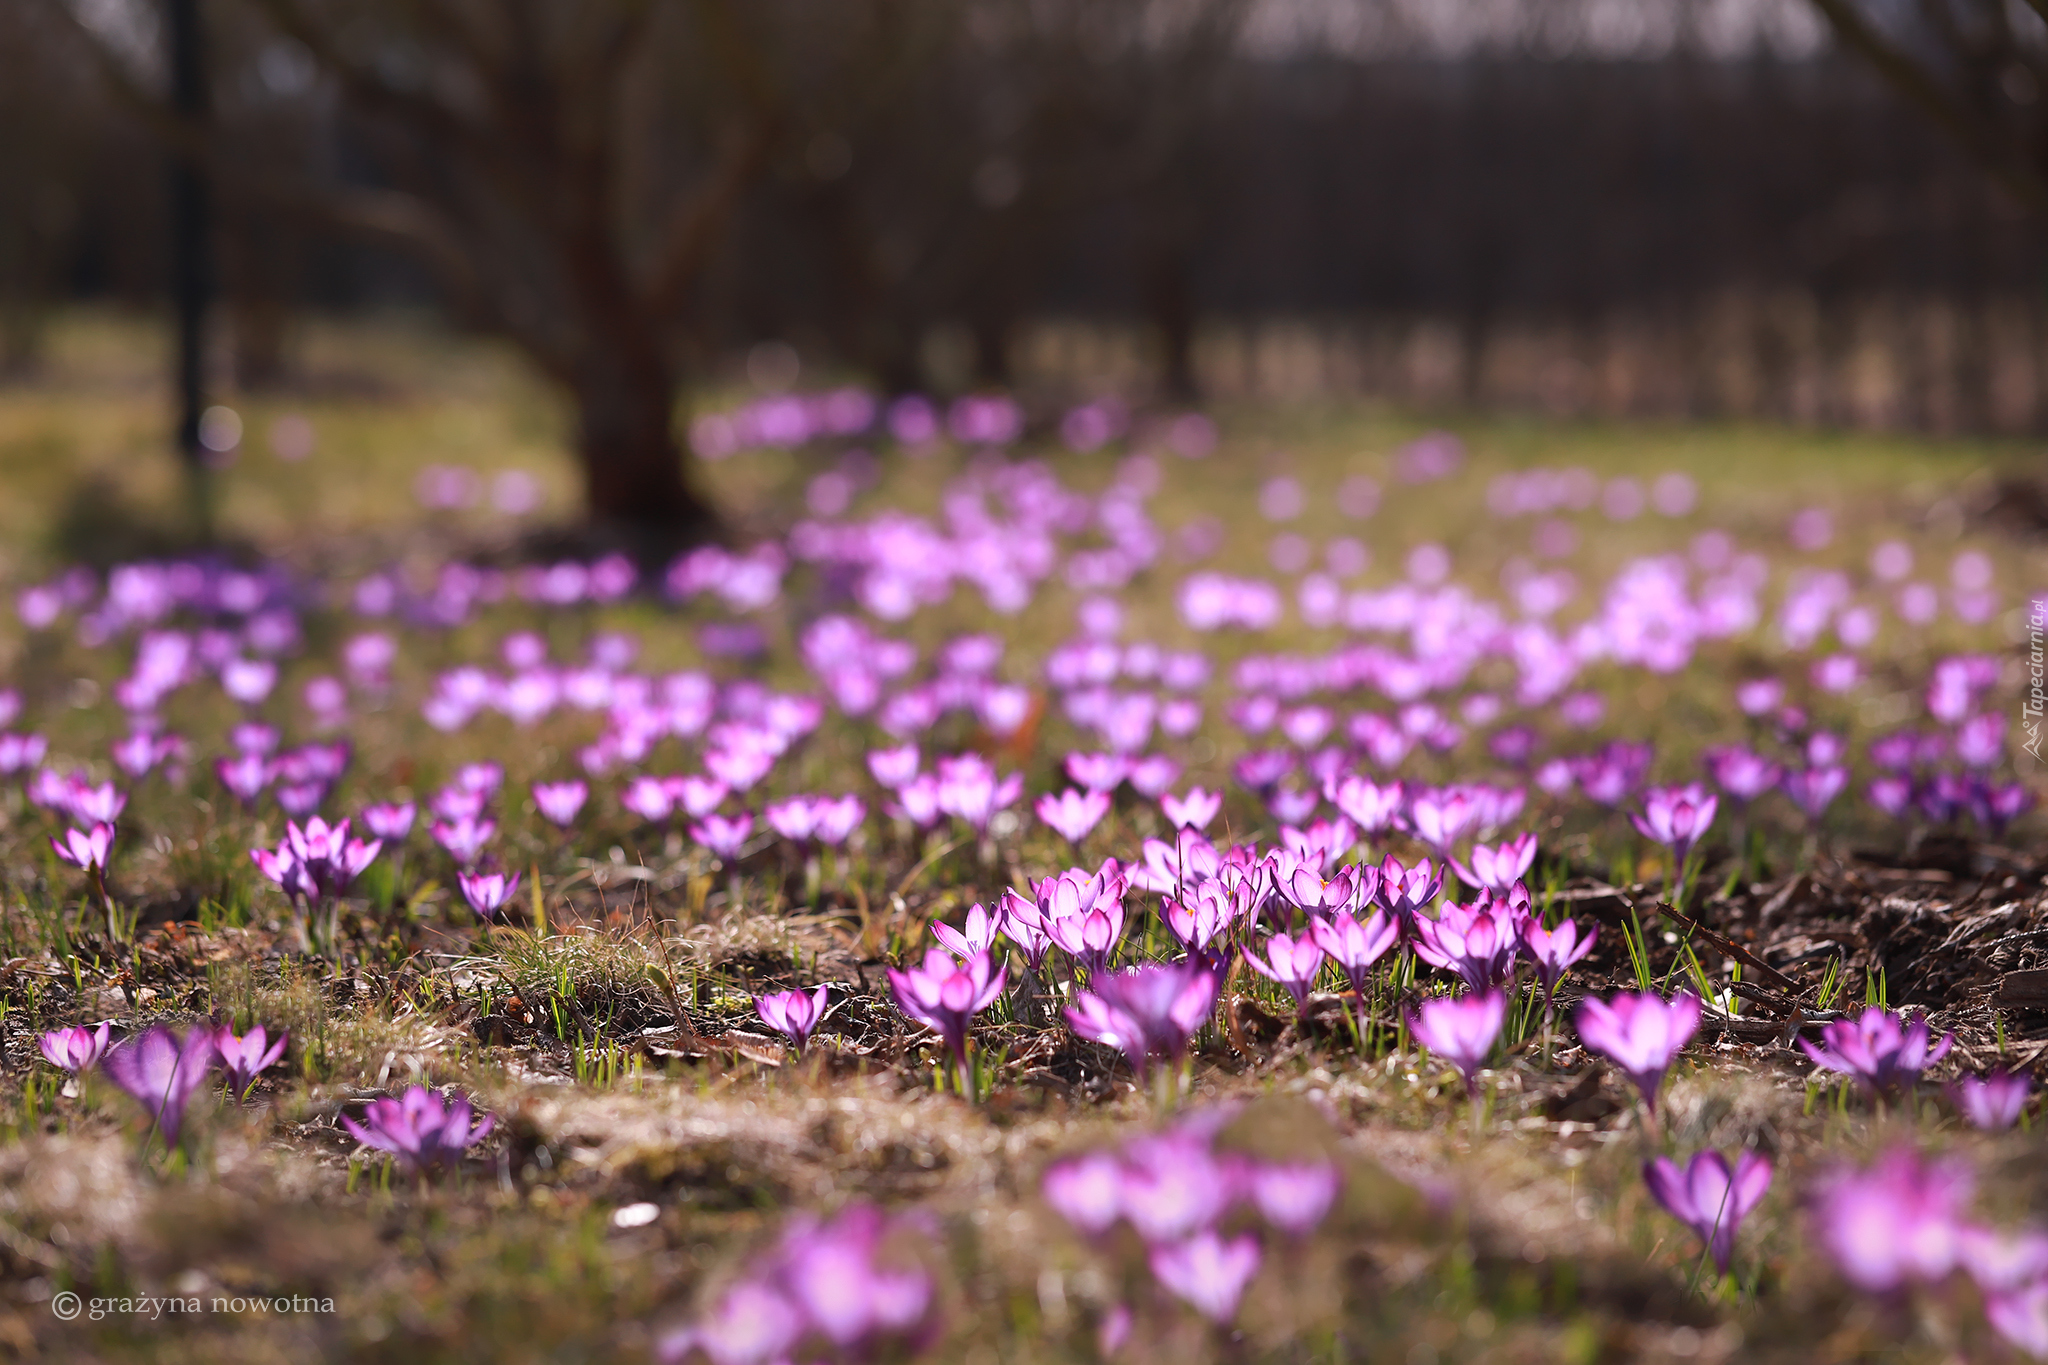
<point>1553,951</point>
<point>1098,772</point>
<point>1461,1031</point>
<point>88,850</point>
<point>1086,1190</point>
<point>1193,811</point>
<point>1676,817</point>
<point>1641,1034</point>
<point>1083,913</point>
<point>1371,807</point>
<point>102,804</point>
<point>945,994</point>
<point>649,798</point>
<point>1710,1198</point>
<point>1207,1272</point>
<point>163,1072</point>
<point>247,1057</point>
<point>1992,1103</point>
<point>1072,813</point>
<point>1148,1012</point>
<point>826,1290</point>
<point>976,935</point>
<point>75,1049</point>
<point>1202,917</point>
<point>283,867</point>
<point>1742,773</point>
<point>1813,790</point>
<point>794,1013</point>
<point>1440,818</point>
<point>464,839</point>
<point>1292,962</point>
<point>1355,946</point>
<point>1292,1196</point>
<point>487,892</point>
<point>420,1129</point>
<point>1898,1222</point>
<point>559,802</point>
<point>970,790</point>
<point>1476,942</point>
<point>329,857</point>
<point>1878,1048</point>
<point>1498,868</point>
<point>245,775</point>
<point>725,837</point>
<point>893,767</point>
<point>1405,890</point>
<point>389,820</point>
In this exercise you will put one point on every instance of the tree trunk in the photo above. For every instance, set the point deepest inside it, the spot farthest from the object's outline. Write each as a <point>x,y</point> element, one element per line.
<point>632,464</point>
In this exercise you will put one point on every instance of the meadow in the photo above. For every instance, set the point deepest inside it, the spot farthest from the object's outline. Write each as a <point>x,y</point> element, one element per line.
<point>1059,883</point>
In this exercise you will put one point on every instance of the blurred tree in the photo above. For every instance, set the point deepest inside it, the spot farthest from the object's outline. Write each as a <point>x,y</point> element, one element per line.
<point>565,170</point>
<point>1979,68</point>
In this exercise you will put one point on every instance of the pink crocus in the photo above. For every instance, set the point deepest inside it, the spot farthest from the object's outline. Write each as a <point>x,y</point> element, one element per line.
<point>1475,942</point>
<point>487,892</point>
<point>389,820</point>
<point>1405,890</point>
<point>1900,1221</point>
<point>1461,1031</point>
<point>1992,1103</point>
<point>88,850</point>
<point>976,935</point>
<point>1553,951</point>
<point>1710,1198</point>
<point>420,1129</point>
<point>1098,772</point>
<point>794,1013</point>
<point>892,768</point>
<point>1355,946</point>
<point>1202,916</point>
<point>1440,818</point>
<point>245,775</point>
<point>970,791</point>
<point>1083,913</point>
<point>1498,868</point>
<point>1676,817</point>
<point>75,1049</point>
<point>247,1057</point>
<point>1207,1272</point>
<point>1193,811</point>
<point>163,1072</point>
<point>1148,1012</point>
<point>1641,1034</point>
<point>945,994</point>
<point>649,798</point>
<point>1293,1196</point>
<point>328,855</point>
<point>1073,813</point>
<point>1878,1048</point>
<point>1814,789</point>
<point>1373,808</point>
<point>723,836</point>
<point>464,839</point>
<point>560,802</point>
<point>1291,962</point>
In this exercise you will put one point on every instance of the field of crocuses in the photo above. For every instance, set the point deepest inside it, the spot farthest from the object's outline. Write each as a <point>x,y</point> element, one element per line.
<point>1059,883</point>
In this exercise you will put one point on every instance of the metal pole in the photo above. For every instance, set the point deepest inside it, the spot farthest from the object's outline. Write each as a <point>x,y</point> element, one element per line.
<point>191,257</point>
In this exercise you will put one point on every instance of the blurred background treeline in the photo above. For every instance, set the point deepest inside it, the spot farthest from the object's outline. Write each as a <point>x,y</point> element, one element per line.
<point>1692,208</point>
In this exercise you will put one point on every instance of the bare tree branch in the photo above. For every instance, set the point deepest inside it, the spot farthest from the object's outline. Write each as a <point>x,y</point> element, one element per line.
<point>2016,170</point>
